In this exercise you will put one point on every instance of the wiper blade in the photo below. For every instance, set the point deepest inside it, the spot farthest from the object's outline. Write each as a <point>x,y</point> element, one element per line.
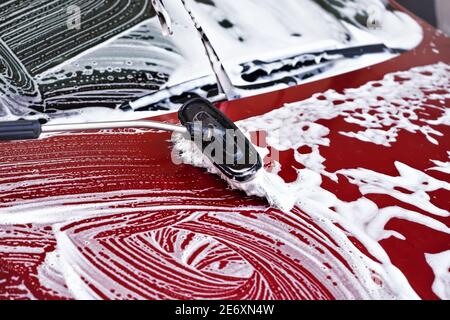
<point>358,51</point>
<point>258,69</point>
<point>290,80</point>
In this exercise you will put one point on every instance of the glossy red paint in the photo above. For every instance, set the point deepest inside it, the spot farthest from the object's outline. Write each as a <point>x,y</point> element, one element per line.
<point>102,163</point>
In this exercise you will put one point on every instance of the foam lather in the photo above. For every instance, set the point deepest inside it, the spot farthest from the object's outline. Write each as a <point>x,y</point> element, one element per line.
<point>263,184</point>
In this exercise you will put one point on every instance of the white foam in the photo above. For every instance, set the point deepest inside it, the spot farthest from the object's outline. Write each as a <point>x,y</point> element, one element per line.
<point>441,165</point>
<point>440,263</point>
<point>264,184</point>
<point>384,119</point>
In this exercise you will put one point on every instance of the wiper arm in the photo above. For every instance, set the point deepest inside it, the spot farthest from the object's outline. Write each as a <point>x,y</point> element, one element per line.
<point>163,16</point>
<point>223,81</point>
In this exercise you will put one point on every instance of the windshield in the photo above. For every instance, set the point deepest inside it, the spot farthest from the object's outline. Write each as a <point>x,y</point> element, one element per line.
<point>57,56</point>
<point>267,35</point>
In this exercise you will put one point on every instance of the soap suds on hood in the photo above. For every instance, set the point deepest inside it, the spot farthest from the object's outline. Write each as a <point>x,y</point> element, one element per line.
<point>264,184</point>
<point>440,263</point>
<point>385,108</point>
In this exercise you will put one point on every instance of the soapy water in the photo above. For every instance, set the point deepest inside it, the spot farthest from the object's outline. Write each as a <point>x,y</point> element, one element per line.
<point>382,109</point>
<point>156,236</point>
<point>262,184</point>
<point>440,263</point>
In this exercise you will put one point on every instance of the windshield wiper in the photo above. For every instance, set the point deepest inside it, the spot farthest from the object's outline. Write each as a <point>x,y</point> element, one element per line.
<point>223,80</point>
<point>260,74</point>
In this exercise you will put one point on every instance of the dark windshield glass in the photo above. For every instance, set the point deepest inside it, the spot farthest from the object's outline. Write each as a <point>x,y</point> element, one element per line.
<point>61,55</point>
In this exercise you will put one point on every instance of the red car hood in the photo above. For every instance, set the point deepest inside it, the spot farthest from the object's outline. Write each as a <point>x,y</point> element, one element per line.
<point>108,214</point>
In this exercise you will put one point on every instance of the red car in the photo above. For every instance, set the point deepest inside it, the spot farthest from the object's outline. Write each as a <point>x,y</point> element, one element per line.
<point>347,102</point>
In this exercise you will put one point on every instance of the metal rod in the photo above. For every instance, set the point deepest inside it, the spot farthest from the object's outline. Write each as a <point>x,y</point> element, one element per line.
<point>113,125</point>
